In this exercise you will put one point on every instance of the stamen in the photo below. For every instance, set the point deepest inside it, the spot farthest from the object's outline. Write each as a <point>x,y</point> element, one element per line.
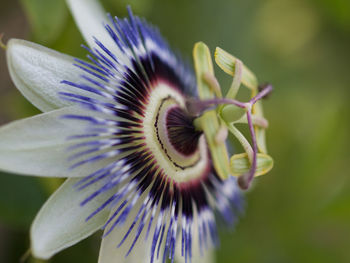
<point>245,180</point>
<point>213,83</point>
<point>197,107</point>
<point>236,80</point>
<point>222,134</point>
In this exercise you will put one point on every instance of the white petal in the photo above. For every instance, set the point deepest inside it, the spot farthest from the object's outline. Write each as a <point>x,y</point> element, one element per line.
<point>90,18</point>
<point>37,72</point>
<point>110,253</point>
<point>207,255</point>
<point>61,221</point>
<point>38,145</point>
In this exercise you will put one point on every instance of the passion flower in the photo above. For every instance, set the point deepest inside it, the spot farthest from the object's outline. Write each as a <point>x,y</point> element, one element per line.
<point>144,154</point>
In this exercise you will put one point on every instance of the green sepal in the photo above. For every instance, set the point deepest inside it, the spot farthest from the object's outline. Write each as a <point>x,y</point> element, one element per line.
<point>227,63</point>
<point>240,164</point>
<point>209,121</point>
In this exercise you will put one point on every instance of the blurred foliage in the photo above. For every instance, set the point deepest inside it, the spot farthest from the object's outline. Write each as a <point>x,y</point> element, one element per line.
<point>20,199</point>
<point>138,6</point>
<point>300,211</point>
<point>47,18</point>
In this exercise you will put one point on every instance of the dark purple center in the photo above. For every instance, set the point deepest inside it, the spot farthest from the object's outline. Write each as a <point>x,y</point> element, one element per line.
<point>181,132</point>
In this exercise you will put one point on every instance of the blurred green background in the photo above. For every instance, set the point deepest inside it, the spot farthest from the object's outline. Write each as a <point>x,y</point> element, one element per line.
<point>300,212</point>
